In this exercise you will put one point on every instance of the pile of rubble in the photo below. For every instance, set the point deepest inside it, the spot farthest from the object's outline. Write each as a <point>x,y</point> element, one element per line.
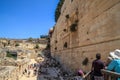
<point>50,69</point>
<point>8,73</point>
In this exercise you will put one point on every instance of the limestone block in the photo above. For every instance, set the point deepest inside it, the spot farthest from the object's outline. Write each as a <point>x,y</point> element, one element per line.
<point>103,28</point>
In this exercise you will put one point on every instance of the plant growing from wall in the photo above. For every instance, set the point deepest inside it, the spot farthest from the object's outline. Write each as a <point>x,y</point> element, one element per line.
<point>58,10</point>
<point>73,27</point>
<point>85,61</point>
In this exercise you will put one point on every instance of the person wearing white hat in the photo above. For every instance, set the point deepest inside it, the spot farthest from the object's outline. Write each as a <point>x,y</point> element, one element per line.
<point>115,61</point>
<point>115,54</point>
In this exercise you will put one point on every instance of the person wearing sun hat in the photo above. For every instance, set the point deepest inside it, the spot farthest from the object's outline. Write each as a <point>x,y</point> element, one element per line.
<point>115,54</point>
<point>114,65</point>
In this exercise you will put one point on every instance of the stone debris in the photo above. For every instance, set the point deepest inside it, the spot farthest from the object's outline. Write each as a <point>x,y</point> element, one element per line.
<point>8,62</point>
<point>8,73</point>
<point>50,69</point>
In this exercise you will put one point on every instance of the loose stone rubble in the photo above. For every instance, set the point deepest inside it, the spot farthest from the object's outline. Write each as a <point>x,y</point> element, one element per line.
<point>50,69</point>
<point>11,69</point>
<point>8,73</point>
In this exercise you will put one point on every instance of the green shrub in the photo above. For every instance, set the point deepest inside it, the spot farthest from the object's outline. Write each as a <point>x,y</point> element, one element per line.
<point>17,44</point>
<point>36,46</point>
<point>73,27</point>
<point>30,39</point>
<point>11,55</point>
<point>85,61</point>
<point>58,10</point>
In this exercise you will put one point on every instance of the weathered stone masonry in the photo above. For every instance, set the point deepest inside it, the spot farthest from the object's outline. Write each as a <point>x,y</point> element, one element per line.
<point>97,31</point>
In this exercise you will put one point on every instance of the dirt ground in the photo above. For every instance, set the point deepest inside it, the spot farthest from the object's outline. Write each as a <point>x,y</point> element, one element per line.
<point>28,78</point>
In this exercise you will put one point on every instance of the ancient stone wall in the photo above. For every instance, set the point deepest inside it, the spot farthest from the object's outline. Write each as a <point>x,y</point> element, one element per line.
<point>96,26</point>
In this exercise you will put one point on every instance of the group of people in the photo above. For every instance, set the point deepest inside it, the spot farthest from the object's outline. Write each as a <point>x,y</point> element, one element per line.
<point>112,64</point>
<point>31,70</point>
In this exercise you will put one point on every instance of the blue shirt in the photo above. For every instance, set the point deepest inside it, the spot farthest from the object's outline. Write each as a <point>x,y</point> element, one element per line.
<point>114,65</point>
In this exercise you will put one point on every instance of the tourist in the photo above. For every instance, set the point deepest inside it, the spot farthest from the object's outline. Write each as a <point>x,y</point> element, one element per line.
<point>35,72</point>
<point>28,73</point>
<point>25,70</point>
<point>97,65</point>
<point>114,65</point>
<point>81,74</point>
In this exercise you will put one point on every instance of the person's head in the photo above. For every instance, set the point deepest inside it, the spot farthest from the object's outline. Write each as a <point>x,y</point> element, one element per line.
<point>115,54</point>
<point>80,73</point>
<point>98,56</point>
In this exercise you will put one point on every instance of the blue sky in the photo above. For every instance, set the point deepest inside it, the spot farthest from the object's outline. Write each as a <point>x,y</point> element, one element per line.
<point>26,18</point>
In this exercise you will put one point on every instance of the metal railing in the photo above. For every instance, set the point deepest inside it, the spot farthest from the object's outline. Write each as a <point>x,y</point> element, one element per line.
<point>110,75</point>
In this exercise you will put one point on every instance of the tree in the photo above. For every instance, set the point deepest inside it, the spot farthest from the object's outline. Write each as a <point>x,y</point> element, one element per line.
<point>30,39</point>
<point>58,10</point>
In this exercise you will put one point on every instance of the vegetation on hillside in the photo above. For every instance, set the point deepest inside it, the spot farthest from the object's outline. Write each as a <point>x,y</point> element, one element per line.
<point>30,39</point>
<point>17,44</point>
<point>36,46</point>
<point>10,55</point>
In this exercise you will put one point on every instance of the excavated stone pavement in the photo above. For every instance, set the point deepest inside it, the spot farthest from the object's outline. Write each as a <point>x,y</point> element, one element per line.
<point>50,70</point>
